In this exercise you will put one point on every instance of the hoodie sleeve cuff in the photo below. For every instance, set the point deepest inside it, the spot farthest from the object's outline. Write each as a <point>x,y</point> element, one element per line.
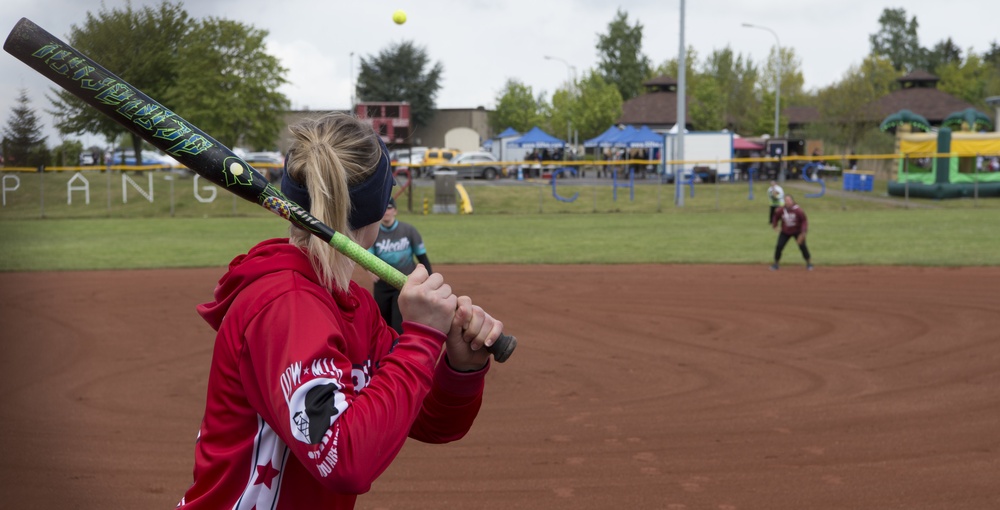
<point>459,384</point>
<point>425,331</point>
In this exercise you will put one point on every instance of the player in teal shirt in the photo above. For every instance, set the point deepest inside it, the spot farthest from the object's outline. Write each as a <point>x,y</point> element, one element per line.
<point>398,244</point>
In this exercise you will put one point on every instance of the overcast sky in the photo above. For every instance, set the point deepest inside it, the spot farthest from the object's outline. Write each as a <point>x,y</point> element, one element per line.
<point>482,44</point>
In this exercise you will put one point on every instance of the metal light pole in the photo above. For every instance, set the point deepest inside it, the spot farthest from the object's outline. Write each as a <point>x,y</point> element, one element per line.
<point>571,69</point>
<point>681,116</point>
<point>777,92</point>
<point>352,83</point>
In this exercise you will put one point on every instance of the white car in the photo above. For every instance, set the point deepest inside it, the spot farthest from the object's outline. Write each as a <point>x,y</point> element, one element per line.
<point>408,153</point>
<point>268,163</point>
<point>149,157</point>
<point>411,157</point>
<point>472,165</point>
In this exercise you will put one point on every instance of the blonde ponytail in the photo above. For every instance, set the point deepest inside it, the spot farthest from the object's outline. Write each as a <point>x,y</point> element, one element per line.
<point>328,155</point>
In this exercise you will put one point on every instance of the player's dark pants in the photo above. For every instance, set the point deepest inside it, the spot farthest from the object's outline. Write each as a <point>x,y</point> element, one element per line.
<point>783,240</point>
<point>770,215</point>
<point>386,296</point>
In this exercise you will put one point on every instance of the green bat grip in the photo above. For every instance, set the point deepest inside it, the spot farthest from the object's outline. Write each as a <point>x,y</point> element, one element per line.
<point>501,349</point>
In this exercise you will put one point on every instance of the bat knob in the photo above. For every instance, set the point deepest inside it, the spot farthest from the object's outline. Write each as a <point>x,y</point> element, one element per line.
<point>502,348</point>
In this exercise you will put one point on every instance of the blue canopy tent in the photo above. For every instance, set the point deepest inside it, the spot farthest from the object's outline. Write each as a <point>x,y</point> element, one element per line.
<point>644,138</point>
<point>503,138</point>
<point>619,139</point>
<point>537,139</point>
<point>653,142</point>
<point>595,141</point>
<point>507,133</point>
<point>607,140</point>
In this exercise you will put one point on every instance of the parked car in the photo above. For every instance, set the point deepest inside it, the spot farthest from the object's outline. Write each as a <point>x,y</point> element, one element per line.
<point>408,154</point>
<point>435,157</point>
<point>269,164</point>
<point>411,157</point>
<point>472,165</point>
<point>149,157</point>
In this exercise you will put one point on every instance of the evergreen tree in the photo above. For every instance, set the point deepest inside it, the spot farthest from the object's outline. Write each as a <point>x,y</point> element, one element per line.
<point>23,143</point>
<point>622,62</point>
<point>897,40</point>
<point>401,73</point>
<point>992,55</point>
<point>944,52</point>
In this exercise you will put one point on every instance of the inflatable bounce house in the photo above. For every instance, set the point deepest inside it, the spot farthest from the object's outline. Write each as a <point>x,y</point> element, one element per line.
<point>946,164</point>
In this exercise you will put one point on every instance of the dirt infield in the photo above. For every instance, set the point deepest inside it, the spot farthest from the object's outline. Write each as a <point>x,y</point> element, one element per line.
<point>665,387</point>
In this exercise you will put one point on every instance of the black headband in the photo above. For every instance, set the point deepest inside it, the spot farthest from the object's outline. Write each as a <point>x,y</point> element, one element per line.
<point>369,199</point>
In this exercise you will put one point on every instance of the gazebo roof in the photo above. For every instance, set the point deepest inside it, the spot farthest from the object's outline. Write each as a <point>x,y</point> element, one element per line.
<point>931,103</point>
<point>655,109</point>
<point>660,80</point>
<point>662,83</point>
<point>919,94</point>
<point>919,76</point>
<point>800,115</point>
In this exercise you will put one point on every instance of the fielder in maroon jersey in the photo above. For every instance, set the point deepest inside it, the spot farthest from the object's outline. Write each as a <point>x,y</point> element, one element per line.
<point>311,394</point>
<point>794,224</point>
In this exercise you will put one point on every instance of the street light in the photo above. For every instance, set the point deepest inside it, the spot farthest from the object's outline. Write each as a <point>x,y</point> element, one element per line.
<point>681,122</point>
<point>572,91</point>
<point>352,83</point>
<point>777,92</point>
<point>570,68</point>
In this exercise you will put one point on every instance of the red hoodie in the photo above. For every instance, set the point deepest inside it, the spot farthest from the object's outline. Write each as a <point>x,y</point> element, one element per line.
<point>311,395</point>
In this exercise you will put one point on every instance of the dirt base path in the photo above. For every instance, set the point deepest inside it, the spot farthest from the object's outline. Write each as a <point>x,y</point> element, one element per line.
<point>667,387</point>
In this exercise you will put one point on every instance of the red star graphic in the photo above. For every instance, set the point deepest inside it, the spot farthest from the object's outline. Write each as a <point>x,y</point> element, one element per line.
<point>265,473</point>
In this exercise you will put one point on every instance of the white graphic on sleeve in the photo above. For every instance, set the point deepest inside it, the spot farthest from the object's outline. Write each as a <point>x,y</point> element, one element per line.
<point>291,379</point>
<point>361,375</point>
<point>329,461</point>
<point>315,394</point>
<point>268,464</point>
<point>325,378</point>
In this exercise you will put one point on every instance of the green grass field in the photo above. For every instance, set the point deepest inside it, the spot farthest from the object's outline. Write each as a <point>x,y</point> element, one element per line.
<point>512,224</point>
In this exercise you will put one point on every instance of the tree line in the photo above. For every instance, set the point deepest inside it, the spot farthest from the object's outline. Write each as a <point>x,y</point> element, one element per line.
<point>217,72</point>
<point>728,90</point>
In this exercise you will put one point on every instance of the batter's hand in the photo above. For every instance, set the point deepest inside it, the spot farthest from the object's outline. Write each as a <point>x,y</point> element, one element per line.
<point>801,238</point>
<point>471,331</point>
<point>427,299</point>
